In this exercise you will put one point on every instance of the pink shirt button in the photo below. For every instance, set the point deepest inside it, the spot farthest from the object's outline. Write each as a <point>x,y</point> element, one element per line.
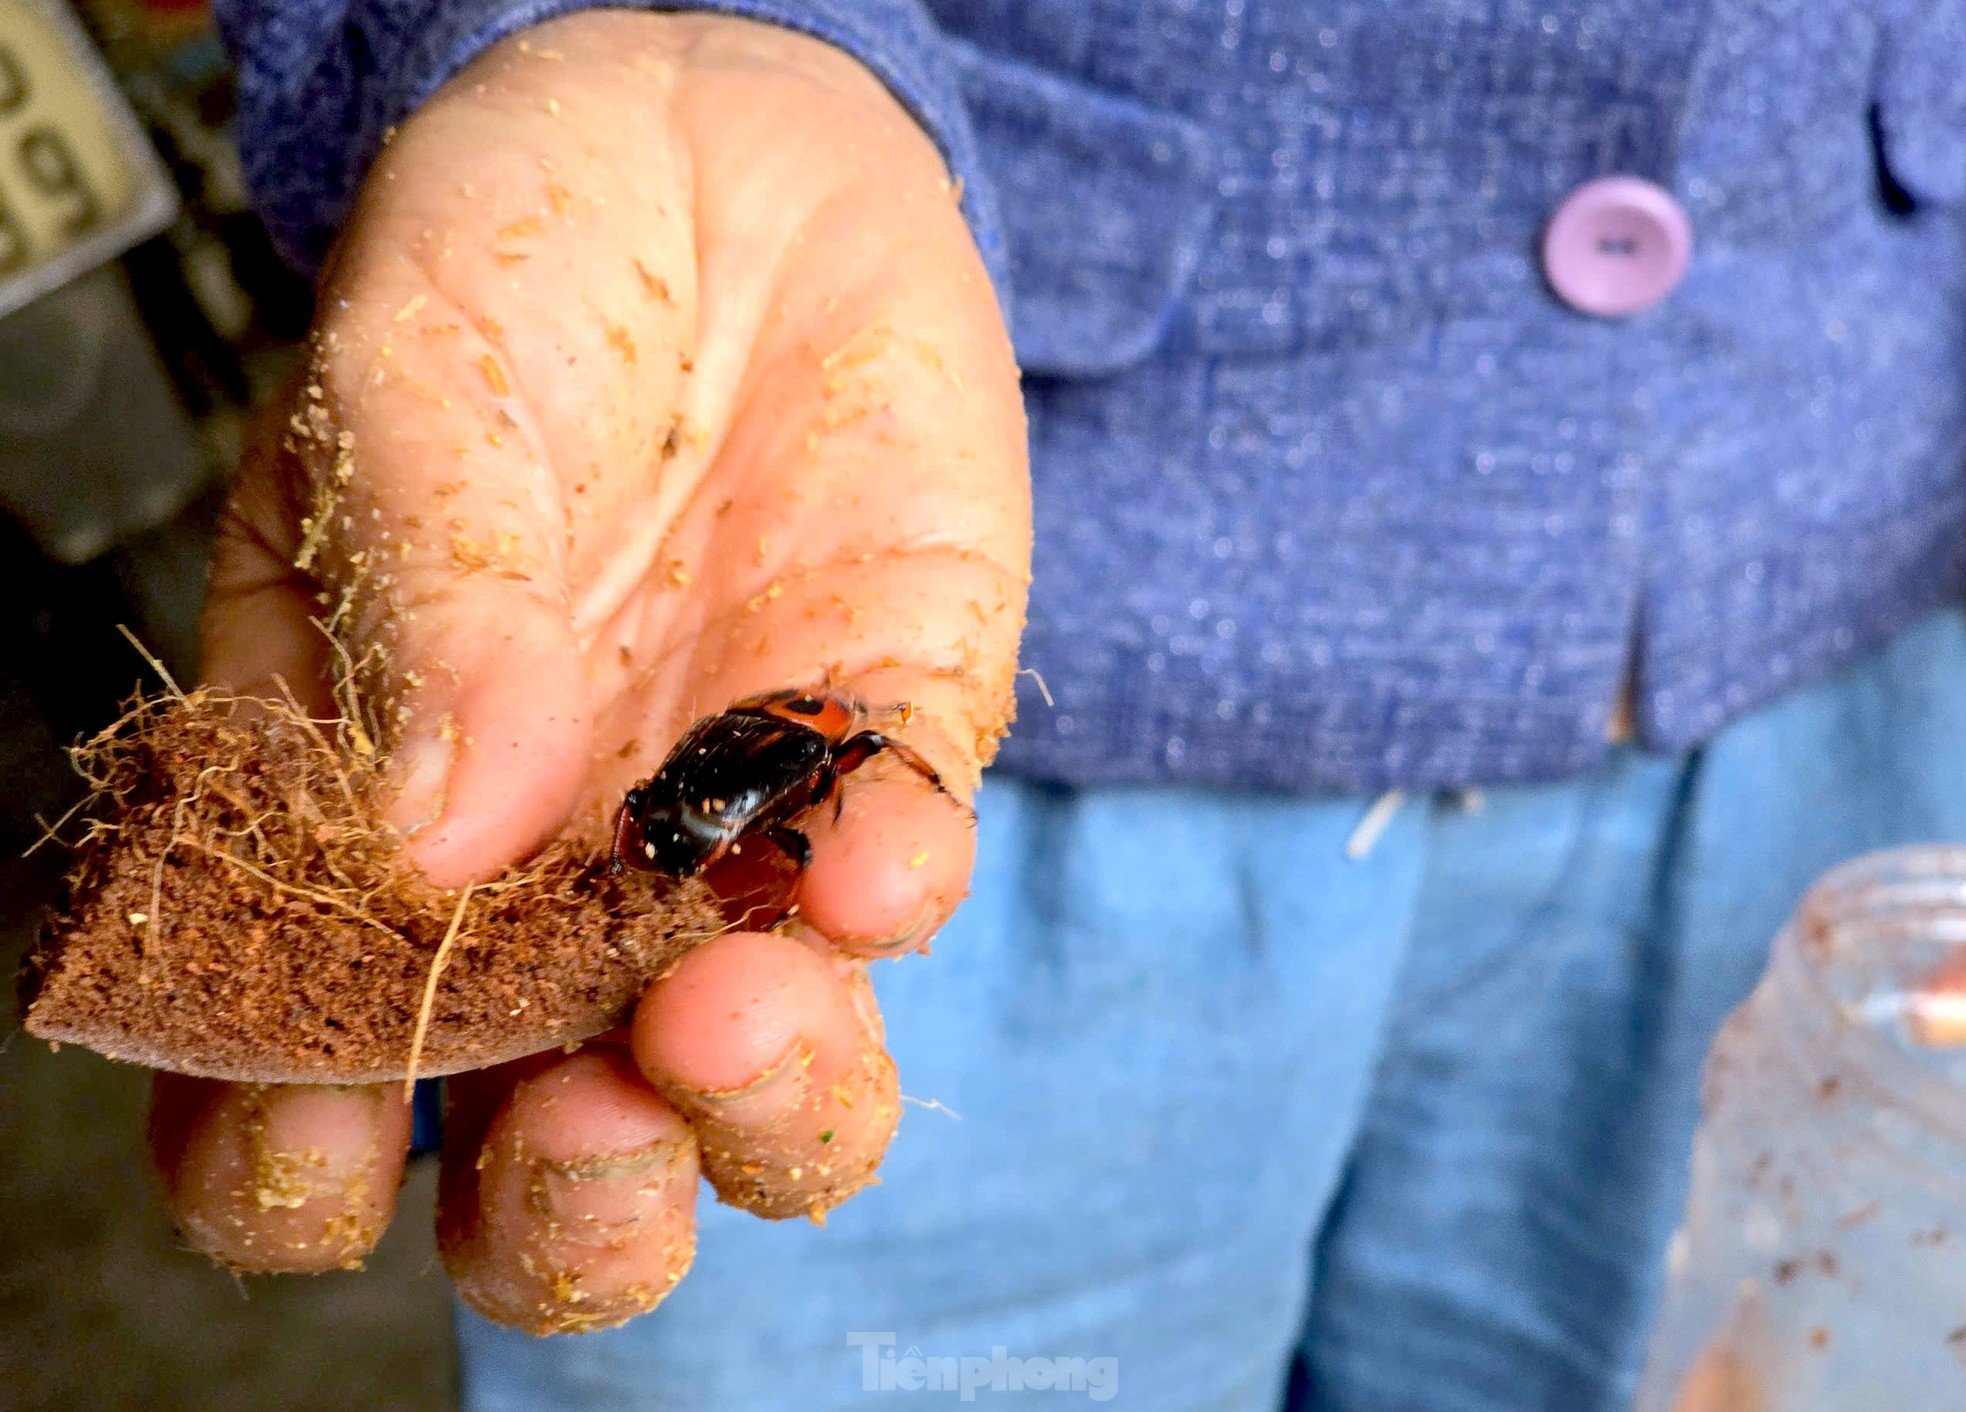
<point>1617,245</point>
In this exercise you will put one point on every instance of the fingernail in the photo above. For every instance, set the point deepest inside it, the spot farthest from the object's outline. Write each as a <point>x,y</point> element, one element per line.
<point>601,1200</point>
<point>796,1059</point>
<point>422,768</point>
<point>914,938</point>
<point>309,1143</point>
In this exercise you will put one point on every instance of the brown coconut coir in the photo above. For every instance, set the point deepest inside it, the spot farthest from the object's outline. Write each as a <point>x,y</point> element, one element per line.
<point>237,910</point>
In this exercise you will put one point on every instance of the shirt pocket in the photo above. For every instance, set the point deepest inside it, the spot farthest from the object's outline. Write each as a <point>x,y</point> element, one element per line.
<point>1105,204</point>
<point>1921,100</point>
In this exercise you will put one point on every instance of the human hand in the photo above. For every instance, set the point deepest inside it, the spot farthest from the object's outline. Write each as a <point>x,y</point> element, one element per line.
<point>655,368</point>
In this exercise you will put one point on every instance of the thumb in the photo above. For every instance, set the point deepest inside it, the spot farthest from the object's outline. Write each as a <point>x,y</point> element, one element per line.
<point>428,496</point>
<point>478,685</point>
<point>495,742</point>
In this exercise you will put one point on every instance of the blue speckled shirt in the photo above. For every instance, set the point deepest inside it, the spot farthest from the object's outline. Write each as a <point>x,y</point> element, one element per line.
<point>1333,492</point>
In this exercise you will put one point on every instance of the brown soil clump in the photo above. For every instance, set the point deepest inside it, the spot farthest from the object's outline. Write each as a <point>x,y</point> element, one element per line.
<point>237,910</point>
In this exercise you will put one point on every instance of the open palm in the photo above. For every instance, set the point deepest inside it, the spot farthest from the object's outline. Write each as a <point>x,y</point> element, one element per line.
<point>655,368</point>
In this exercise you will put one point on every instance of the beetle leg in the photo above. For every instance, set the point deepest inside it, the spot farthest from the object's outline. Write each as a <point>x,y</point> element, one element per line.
<point>857,750</point>
<point>624,826</point>
<point>920,766</point>
<point>795,845</point>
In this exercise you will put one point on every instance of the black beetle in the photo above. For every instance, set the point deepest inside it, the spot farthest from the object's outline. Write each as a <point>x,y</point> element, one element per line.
<point>750,770</point>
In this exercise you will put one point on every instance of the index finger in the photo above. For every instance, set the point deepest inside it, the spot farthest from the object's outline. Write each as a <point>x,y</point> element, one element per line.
<point>891,866</point>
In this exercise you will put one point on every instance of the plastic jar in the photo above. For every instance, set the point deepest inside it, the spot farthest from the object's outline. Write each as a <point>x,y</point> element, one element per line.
<point>1821,1265</point>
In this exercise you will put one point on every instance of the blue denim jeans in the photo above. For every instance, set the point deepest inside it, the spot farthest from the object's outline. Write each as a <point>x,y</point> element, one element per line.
<point>1210,1114</point>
